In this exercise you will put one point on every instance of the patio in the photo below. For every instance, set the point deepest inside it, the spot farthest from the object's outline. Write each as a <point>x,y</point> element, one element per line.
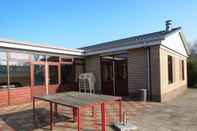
<point>19,118</point>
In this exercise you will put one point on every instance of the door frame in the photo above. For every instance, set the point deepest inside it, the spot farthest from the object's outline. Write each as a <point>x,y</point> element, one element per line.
<point>114,74</point>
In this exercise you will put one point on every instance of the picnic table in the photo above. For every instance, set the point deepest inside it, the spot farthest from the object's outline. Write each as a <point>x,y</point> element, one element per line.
<point>78,101</point>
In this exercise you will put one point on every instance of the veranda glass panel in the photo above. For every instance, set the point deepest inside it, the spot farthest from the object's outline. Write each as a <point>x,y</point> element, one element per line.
<point>39,75</point>
<point>67,74</point>
<point>53,58</point>
<point>18,56</point>
<point>37,57</point>
<point>3,56</point>
<point>66,60</point>
<point>53,74</point>
<point>19,72</point>
<point>3,71</point>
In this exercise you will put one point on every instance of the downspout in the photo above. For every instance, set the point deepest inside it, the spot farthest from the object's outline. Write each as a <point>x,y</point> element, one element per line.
<point>114,77</point>
<point>148,70</point>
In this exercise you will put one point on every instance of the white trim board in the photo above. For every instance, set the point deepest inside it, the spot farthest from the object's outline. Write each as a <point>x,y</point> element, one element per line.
<point>21,46</point>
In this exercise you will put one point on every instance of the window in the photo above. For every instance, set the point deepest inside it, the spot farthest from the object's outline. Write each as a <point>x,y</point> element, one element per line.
<point>107,72</point>
<point>3,70</point>
<point>66,60</point>
<point>53,58</point>
<point>19,73</point>
<point>39,75</point>
<point>170,70</point>
<point>19,56</point>
<point>53,74</point>
<point>182,70</point>
<point>19,70</point>
<point>37,57</point>
<point>67,73</point>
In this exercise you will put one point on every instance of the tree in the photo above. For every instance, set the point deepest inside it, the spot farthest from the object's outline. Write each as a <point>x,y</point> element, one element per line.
<point>193,48</point>
<point>192,66</point>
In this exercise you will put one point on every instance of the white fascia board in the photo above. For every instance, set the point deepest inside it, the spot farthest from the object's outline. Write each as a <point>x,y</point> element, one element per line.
<point>144,44</point>
<point>24,46</point>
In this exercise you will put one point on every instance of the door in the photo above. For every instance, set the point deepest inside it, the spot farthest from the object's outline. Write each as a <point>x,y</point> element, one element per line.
<point>53,77</point>
<point>121,80</point>
<point>39,79</point>
<point>107,76</point>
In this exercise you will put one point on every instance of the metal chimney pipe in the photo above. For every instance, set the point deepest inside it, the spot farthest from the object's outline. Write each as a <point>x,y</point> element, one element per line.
<point>168,25</point>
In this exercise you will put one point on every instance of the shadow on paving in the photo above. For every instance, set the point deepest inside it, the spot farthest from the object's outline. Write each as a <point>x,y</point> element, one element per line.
<point>23,121</point>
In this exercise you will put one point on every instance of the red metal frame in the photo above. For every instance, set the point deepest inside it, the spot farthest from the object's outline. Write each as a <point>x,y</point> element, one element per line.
<point>74,114</point>
<point>103,115</point>
<point>120,110</point>
<point>78,119</point>
<point>51,115</point>
<point>34,116</point>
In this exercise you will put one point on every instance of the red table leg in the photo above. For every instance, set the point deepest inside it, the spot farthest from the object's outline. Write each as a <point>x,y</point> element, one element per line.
<point>120,110</point>
<point>103,116</point>
<point>51,115</point>
<point>78,119</point>
<point>34,117</point>
<point>55,109</point>
<point>95,120</point>
<point>93,111</point>
<point>74,114</point>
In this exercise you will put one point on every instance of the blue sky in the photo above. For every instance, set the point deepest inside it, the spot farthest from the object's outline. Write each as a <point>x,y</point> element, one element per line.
<point>77,23</point>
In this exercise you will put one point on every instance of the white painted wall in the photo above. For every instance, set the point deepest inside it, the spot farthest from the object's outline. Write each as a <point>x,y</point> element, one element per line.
<point>174,42</point>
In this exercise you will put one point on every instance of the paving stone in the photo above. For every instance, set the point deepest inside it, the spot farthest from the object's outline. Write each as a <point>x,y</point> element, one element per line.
<point>19,117</point>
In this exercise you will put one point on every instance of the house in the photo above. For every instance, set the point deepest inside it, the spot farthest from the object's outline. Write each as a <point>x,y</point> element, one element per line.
<point>154,61</point>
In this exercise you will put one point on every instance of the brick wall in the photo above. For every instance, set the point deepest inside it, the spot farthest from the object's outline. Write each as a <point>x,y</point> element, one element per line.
<point>178,86</point>
<point>155,72</point>
<point>3,98</point>
<point>136,70</point>
<point>92,64</point>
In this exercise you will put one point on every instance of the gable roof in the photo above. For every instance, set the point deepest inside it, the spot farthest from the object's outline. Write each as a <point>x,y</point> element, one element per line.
<point>139,41</point>
<point>131,42</point>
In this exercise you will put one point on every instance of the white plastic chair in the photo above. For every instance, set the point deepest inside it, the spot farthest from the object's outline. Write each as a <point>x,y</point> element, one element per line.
<point>87,82</point>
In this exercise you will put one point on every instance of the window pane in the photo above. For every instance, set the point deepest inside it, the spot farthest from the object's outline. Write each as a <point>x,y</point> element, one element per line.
<point>107,72</point>
<point>19,56</point>
<point>53,74</point>
<point>183,70</point>
<point>170,70</point>
<point>66,74</point>
<point>79,61</point>
<point>3,74</point>
<point>3,56</point>
<point>66,60</point>
<point>37,57</point>
<point>19,73</point>
<point>53,58</point>
<point>39,75</point>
